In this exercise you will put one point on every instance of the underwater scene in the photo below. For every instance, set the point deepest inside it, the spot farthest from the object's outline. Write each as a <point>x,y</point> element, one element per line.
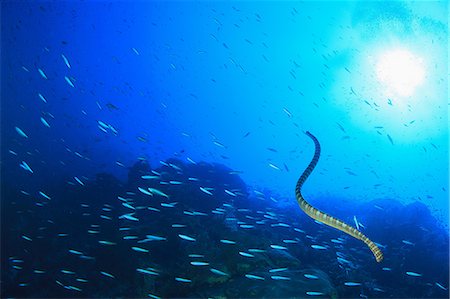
<point>224,149</point>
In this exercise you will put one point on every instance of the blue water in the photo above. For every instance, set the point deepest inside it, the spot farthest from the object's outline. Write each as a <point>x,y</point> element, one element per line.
<point>210,102</point>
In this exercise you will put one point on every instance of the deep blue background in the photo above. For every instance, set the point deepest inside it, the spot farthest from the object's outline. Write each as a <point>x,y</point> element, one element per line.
<point>235,83</point>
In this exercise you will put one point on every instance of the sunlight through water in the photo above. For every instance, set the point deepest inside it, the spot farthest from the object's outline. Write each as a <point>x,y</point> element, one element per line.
<point>400,71</point>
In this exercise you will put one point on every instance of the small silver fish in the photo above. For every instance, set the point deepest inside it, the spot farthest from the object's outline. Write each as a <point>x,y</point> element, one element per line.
<point>199,263</point>
<point>246,254</point>
<point>278,277</point>
<point>21,132</point>
<point>278,247</point>
<point>139,249</point>
<point>314,293</point>
<point>187,238</point>
<point>180,279</point>
<point>42,73</point>
<point>319,247</point>
<point>144,271</point>
<point>218,272</point>
<point>205,191</point>
<point>69,81</point>
<point>107,274</point>
<point>227,241</point>
<point>251,276</point>
<point>352,284</point>
<point>66,61</point>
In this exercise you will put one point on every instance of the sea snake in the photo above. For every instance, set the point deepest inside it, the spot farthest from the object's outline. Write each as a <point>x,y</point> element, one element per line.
<point>321,216</point>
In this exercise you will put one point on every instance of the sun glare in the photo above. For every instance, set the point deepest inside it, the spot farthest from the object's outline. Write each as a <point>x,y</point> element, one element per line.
<point>400,71</point>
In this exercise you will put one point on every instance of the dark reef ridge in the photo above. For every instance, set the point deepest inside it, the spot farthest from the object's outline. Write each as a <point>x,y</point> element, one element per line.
<point>63,246</point>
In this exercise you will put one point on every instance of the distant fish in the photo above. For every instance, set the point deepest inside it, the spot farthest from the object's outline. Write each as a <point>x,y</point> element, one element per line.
<point>26,238</point>
<point>154,238</point>
<point>195,263</point>
<point>230,193</point>
<point>149,177</point>
<point>274,166</point>
<point>218,272</point>
<point>42,98</point>
<point>69,81</point>
<point>42,73</point>
<point>79,181</point>
<point>256,250</point>
<point>145,271</point>
<point>139,249</point>
<point>246,254</point>
<point>66,61</point>
<point>277,270</point>
<point>44,195</point>
<point>413,274</point>
<point>319,247</point>
<point>227,241</point>
<point>20,132</point>
<point>289,114</point>
<point>67,272</point>
<point>356,222</point>
<point>158,192</point>
<point>187,238</point>
<point>310,276</point>
<point>180,279</point>
<point>107,274</point>
<point>314,293</point>
<point>337,241</point>
<point>290,241</point>
<point>352,284</point>
<point>277,277</point>
<point>278,247</point>
<point>408,242</point>
<point>106,242</point>
<point>175,182</point>
<point>44,122</point>
<point>255,277</point>
<point>145,191</point>
<point>190,160</point>
<point>390,139</point>
<point>126,205</point>
<point>219,144</point>
<point>441,286</point>
<point>281,225</point>
<point>246,226</point>
<point>386,269</point>
<point>341,127</point>
<point>25,166</point>
<point>135,51</point>
<point>178,225</point>
<point>128,217</point>
<point>205,191</point>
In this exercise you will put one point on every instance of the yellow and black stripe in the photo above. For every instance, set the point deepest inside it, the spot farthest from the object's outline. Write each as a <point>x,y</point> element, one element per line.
<point>321,216</point>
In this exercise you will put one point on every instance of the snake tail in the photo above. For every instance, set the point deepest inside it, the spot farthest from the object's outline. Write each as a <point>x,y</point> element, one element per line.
<point>323,217</point>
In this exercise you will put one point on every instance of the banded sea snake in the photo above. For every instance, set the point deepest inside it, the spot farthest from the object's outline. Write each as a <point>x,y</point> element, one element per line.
<point>321,216</point>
